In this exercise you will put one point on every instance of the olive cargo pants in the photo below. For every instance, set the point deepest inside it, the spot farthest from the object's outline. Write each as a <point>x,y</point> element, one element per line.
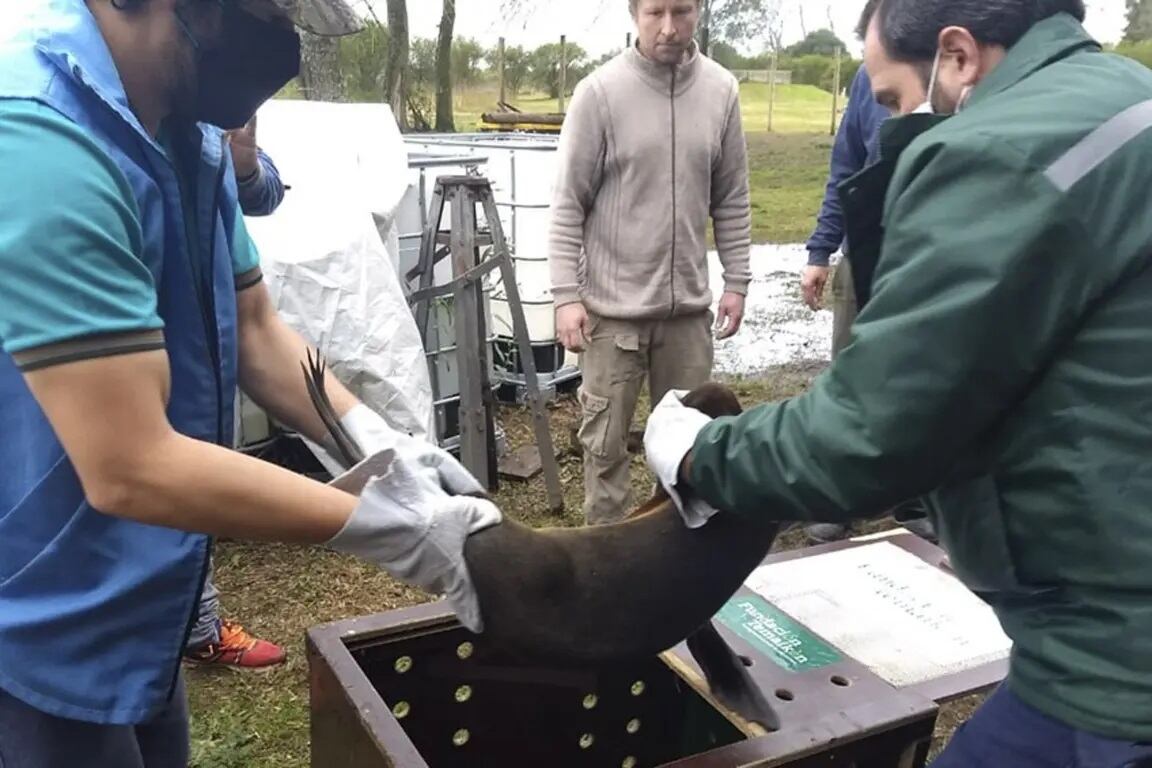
<point>672,354</point>
<point>844,307</point>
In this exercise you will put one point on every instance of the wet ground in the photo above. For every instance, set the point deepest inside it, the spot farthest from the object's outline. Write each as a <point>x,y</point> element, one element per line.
<point>779,329</point>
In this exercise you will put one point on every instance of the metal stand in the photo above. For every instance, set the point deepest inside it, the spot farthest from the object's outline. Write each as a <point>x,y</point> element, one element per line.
<point>463,242</point>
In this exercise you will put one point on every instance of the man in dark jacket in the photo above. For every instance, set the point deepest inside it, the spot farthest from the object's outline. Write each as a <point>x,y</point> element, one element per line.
<point>1001,364</point>
<point>856,147</point>
<point>214,641</point>
<point>257,179</point>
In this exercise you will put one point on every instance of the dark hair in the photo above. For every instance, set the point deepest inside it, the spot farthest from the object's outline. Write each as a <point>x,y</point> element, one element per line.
<point>910,29</point>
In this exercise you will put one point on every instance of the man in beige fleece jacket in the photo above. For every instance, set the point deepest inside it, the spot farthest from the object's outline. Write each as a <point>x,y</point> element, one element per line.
<point>652,147</point>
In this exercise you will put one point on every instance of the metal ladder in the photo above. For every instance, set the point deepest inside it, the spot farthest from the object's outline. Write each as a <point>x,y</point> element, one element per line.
<point>463,242</point>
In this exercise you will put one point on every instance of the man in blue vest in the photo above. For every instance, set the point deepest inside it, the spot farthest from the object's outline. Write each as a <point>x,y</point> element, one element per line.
<point>131,309</point>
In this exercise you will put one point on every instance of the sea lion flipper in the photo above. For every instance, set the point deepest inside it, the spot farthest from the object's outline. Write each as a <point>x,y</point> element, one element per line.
<point>728,678</point>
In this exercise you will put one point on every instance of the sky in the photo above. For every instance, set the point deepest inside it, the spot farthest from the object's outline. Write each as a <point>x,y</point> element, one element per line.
<point>600,26</point>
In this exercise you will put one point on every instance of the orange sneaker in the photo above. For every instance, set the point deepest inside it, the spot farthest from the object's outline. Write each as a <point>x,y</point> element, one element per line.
<point>237,650</point>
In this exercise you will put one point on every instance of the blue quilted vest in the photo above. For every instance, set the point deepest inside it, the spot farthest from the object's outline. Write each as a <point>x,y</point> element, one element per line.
<point>94,610</point>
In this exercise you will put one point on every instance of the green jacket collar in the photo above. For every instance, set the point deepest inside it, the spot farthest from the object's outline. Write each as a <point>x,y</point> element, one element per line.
<point>1050,40</point>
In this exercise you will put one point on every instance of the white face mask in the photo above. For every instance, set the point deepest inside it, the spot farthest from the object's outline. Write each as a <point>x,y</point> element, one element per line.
<point>926,107</point>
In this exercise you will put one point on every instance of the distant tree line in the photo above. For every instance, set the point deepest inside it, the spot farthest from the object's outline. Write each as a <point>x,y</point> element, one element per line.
<point>361,62</point>
<point>420,73</point>
<point>812,61</point>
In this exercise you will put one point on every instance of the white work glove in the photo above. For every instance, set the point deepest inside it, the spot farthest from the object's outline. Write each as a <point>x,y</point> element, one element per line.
<point>670,434</point>
<point>372,433</point>
<point>411,527</point>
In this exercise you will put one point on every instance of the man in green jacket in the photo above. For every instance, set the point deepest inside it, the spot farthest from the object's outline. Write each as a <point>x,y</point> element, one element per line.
<point>1001,364</point>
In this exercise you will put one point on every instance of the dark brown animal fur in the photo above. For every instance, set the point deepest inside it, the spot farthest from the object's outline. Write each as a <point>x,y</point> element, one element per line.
<point>614,592</point>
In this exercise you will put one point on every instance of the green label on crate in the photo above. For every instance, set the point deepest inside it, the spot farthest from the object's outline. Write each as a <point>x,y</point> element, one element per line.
<point>776,635</point>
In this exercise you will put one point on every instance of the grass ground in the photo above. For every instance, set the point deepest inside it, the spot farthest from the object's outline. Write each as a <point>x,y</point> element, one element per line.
<point>796,108</point>
<point>261,720</point>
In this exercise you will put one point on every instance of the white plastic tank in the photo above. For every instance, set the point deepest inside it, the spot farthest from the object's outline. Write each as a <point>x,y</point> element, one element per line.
<point>521,168</point>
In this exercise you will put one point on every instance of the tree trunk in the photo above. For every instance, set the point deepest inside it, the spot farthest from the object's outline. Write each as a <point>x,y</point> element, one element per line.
<point>396,68</point>
<point>705,32</point>
<point>319,69</point>
<point>1139,21</point>
<point>444,121</point>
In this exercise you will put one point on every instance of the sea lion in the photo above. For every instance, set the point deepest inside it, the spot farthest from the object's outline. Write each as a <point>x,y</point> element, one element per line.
<point>613,593</point>
<point>628,590</point>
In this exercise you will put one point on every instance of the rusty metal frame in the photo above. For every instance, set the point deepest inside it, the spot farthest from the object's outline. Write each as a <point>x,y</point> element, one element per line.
<point>350,719</point>
<point>361,728</point>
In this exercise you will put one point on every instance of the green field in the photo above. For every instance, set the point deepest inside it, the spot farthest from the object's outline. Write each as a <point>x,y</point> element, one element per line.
<point>797,108</point>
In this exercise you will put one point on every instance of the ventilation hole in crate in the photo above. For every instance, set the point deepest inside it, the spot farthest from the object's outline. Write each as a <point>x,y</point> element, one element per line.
<point>591,700</point>
<point>463,693</point>
<point>785,695</point>
<point>843,682</point>
<point>629,762</point>
<point>403,664</point>
<point>633,726</point>
<point>746,661</point>
<point>587,740</point>
<point>638,688</point>
<point>460,738</point>
<point>401,710</point>
<point>465,650</point>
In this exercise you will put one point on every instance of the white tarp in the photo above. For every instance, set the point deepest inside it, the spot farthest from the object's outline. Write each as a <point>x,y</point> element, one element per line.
<point>329,252</point>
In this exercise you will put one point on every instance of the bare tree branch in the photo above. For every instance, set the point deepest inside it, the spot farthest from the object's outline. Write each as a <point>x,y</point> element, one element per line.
<point>522,11</point>
<point>371,12</point>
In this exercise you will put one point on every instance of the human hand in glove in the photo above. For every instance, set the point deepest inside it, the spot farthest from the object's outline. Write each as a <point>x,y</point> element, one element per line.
<point>668,439</point>
<point>376,438</point>
<point>407,524</point>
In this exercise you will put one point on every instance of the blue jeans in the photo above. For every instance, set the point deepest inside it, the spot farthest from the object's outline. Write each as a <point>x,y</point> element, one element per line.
<point>1007,732</point>
<point>207,627</point>
<point>31,739</point>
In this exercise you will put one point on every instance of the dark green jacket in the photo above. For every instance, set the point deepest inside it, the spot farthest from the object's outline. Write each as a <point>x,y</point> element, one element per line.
<point>1003,365</point>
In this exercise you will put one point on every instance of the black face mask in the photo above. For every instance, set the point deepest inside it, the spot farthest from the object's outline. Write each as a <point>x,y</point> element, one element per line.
<point>253,60</point>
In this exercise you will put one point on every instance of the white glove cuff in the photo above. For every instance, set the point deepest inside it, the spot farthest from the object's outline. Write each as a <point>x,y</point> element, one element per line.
<point>695,513</point>
<point>670,436</point>
<point>369,429</point>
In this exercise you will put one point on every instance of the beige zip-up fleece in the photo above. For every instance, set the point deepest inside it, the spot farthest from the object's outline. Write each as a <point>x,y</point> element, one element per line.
<point>647,155</point>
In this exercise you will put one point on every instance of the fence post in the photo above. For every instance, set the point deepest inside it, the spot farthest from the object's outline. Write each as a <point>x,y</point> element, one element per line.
<point>563,70</point>
<point>500,66</point>
<point>772,88</point>
<point>835,92</point>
